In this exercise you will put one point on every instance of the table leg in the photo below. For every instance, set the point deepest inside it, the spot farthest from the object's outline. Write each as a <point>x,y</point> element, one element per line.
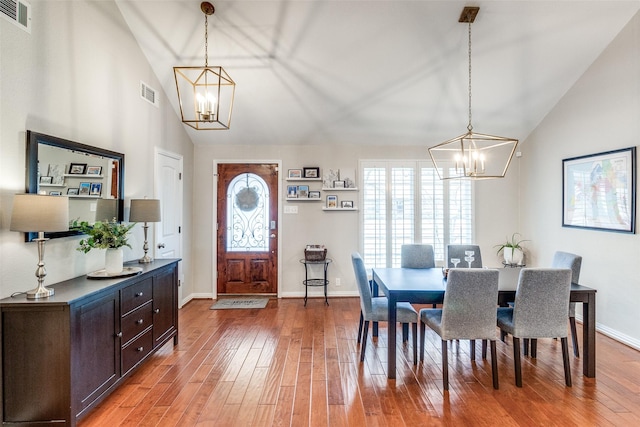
<point>391,351</point>
<point>326,282</point>
<point>589,337</point>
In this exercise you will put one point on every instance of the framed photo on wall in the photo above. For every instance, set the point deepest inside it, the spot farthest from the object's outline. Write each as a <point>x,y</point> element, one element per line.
<point>96,189</point>
<point>292,191</point>
<point>314,194</point>
<point>77,168</point>
<point>311,172</point>
<point>94,170</point>
<point>332,202</point>
<point>303,191</point>
<point>85,188</point>
<point>346,204</point>
<point>599,191</point>
<point>294,173</point>
<point>73,191</point>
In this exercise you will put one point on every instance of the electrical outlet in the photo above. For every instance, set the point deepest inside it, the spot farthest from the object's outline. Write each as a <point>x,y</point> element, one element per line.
<point>338,282</point>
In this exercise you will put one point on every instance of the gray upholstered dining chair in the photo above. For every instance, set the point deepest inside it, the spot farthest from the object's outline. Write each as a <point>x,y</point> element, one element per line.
<point>375,309</point>
<point>574,263</point>
<point>417,256</point>
<point>468,312</point>
<point>540,311</point>
<point>458,251</point>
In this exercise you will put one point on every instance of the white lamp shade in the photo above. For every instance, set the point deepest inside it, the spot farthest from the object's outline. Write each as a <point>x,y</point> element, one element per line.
<point>36,213</point>
<point>144,210</point>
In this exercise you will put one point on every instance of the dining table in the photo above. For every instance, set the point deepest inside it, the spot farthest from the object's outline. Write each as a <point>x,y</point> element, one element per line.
<point>428,285</point>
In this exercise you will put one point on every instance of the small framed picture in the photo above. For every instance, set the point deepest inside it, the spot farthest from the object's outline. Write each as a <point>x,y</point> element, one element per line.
<point>46,179</point>
<point>311,172</point>
<point>332,201</point>
<point>55,193</point>
<point>94,170</point>
<point>295,173</point>
<point>346,204</point>
<point>338,184</point>
<point>77,168</point>
<point>96,189</point>
<point>303,191</point>
<point>314,194</point>
<point>73,191</point>
<point>292,191</point>
<point>85,189</point>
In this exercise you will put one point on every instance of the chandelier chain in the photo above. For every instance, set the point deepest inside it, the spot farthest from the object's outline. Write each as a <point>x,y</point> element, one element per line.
<point>469,126</point>
<point>206,40</point>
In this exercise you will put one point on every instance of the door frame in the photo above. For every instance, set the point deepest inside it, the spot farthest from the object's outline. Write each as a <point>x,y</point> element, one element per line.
<point>214,245</point>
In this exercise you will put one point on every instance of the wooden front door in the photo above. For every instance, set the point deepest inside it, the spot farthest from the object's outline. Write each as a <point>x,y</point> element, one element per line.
<point>247,231</point>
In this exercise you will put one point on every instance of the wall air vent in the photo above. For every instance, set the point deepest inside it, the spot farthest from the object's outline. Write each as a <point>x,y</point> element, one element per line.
<point>148,93</point>
<point>18,12</point>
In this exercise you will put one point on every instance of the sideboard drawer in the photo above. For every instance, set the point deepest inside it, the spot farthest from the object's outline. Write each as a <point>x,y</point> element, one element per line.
<point>135,351</point>
<point>135,295</point>
<point>135,322</point>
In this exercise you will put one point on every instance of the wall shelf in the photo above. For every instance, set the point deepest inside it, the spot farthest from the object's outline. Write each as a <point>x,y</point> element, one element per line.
<point>339,209</point>
<point>340,189</point>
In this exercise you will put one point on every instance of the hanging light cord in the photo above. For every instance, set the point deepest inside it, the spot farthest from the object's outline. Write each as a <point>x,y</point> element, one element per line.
<point>206,40</point>
<point>469,126</point>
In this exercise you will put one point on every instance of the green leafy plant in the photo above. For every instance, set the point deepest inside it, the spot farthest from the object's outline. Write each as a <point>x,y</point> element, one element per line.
<point>512,243</point>
<point>102,235</point>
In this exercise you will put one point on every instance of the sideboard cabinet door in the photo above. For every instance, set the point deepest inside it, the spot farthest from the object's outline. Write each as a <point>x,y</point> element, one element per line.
<point>95,350</point>
<point>165,314</point>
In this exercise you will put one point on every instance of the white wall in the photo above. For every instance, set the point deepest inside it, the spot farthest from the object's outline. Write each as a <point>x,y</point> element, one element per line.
<point>496,210</point>
<point>601,112</point>
<point>77,76</point>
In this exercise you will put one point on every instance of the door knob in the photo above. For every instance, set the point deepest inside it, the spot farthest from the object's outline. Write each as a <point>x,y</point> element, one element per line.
<point>273,236</point>
<point>160,245</point>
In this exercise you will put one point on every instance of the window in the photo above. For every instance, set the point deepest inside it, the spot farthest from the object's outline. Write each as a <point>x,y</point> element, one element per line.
<point>406,202</point>
<point>247,214</point>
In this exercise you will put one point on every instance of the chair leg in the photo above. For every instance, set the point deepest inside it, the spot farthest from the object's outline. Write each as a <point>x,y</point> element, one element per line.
<point>445,366</point>
<point>494,363</point>
<point>574,336</point>
<point>472,349</point>
<point>484,349</point>
<point>405,332</point>
<point>365,332</point>
<point>565,359</point>
<point>360,327</point>
<point>414,326</point>
<point>503,335</point>
<point>422,325</point>
<point>517,362</point>
<point>534,348</point>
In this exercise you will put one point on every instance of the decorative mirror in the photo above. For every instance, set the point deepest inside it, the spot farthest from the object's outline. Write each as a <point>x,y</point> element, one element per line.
<point>92,178</point>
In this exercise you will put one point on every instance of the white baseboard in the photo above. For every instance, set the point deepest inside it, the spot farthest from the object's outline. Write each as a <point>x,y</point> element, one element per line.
<point>615,335</point>
<point>300,294</point>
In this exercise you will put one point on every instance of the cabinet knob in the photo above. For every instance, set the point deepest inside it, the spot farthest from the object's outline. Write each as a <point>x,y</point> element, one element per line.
<point>139,294</point>
<point>139,321</point>
<point>156,311</point>
<point>140,348</point>
<point>119,335</point>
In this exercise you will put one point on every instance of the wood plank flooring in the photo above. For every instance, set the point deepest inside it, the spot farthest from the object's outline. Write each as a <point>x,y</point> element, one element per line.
<point>287,365</point>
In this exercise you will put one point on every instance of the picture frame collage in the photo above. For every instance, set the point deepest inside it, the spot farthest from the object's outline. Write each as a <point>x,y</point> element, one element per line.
<point>54,176</point>
<point>332,203</point>
<point>301,192</point>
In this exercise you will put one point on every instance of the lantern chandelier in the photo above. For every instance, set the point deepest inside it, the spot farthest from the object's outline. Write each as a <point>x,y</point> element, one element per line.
<point>205,94</point>
<point>473,155</point>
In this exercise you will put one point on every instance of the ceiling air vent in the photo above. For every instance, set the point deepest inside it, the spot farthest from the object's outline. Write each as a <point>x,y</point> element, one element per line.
<point>18,12</point>
<point>148,93</point>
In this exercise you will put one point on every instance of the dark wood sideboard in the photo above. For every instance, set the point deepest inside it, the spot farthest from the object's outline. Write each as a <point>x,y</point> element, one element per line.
<point>64,354</point>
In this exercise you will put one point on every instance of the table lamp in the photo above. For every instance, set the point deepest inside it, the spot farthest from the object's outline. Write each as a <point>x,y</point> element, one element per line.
<point>34,212</point>
<point>106,210</point>
<point>145,210</point>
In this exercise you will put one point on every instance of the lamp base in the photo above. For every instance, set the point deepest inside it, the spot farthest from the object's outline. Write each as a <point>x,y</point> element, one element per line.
<point>40,292</point>
<point>145,259</point>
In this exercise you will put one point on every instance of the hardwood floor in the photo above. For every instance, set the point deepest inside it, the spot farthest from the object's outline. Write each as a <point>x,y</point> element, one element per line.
<point>296,366</point>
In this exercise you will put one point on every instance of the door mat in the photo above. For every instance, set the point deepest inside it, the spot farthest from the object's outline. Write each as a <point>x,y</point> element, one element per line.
<point>231,303</point>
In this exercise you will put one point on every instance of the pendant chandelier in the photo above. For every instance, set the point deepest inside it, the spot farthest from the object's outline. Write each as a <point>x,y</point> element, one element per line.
<point>473,155</point>
<point>205,94</point>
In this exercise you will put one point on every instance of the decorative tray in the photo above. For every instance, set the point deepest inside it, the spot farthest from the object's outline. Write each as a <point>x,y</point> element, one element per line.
<point>102,274</point>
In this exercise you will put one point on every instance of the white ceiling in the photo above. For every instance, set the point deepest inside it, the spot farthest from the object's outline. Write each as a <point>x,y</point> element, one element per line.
<point>378,72</point>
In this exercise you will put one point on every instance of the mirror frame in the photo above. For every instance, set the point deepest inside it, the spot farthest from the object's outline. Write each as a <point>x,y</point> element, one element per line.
<point>33,139</point>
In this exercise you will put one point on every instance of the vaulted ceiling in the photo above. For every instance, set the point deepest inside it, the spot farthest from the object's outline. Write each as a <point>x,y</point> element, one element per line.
<point>378,71</point>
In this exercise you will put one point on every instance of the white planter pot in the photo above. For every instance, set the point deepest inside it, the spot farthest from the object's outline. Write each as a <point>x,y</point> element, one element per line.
<point>113,261</point>
<point>513,256</point>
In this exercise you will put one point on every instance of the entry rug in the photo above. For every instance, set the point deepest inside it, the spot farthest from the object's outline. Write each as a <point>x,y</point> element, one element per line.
<point>231,303</point>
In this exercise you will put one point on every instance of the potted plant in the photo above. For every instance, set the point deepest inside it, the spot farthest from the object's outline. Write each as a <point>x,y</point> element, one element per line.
<point>109,235</point>
<point>512,250</point>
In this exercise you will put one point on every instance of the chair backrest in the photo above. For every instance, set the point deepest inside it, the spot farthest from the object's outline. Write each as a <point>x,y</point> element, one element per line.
<point>363,283</point>
<point>417,256</point>
<point>458,251</point>
<point>469,306</point>
<point>570,261</point>
<point>542,303</point>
